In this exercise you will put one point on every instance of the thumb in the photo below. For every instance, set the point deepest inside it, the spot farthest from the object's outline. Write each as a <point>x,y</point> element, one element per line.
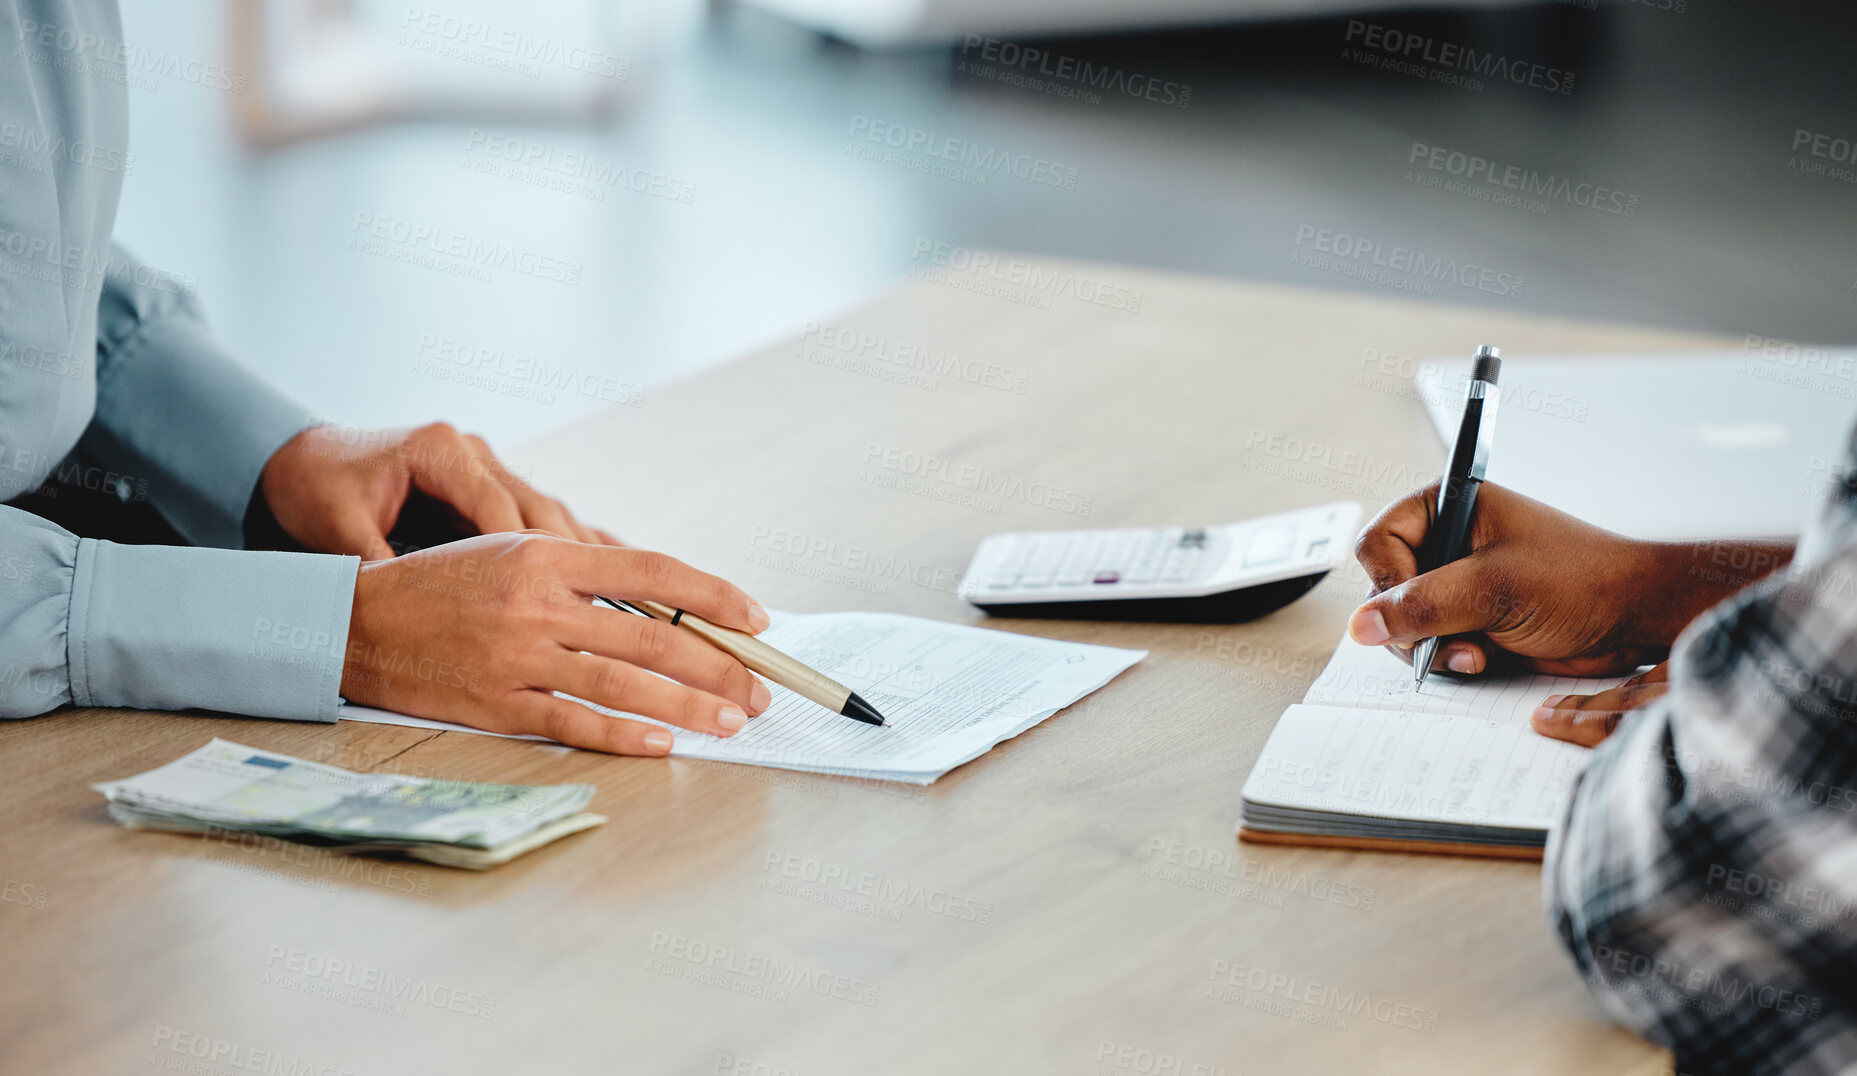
<point>354,532</point>
<point>1446,601</point>
<point>1388,548</point>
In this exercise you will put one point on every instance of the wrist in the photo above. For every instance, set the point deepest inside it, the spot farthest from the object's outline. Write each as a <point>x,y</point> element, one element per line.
<point>1675,582</point>
<point>360,682</point>
<point>1654,589</point>
<point>282,468</point>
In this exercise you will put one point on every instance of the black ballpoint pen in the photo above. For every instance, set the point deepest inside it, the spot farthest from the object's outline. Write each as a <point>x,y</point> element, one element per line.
<point>1449,536</point>
<point>789,672</point>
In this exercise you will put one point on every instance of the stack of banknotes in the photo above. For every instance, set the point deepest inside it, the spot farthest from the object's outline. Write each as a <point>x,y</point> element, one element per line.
<point>227,786</point>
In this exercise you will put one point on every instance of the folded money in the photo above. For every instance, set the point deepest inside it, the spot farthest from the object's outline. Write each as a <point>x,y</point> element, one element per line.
<point>227,786</point>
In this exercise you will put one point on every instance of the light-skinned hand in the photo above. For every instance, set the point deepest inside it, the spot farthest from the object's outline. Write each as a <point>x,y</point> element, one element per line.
<point>484,631</point>
<point>340,490</point>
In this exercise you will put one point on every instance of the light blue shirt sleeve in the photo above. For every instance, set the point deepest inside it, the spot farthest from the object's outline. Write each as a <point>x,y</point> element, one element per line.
<point>91,623</point>
<point>108,374</point>
<point>188,426</point>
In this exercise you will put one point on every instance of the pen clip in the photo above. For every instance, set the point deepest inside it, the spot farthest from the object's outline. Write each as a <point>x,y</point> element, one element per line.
<point>623,606</point>
<point>676,617</point>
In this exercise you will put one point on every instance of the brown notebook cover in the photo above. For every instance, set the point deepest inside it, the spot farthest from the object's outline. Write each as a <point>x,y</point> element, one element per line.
<point>1391,844</point>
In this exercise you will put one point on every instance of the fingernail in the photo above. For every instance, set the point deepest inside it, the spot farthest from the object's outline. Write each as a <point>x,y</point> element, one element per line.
<point>1550,706</point>
<point>1368,627</point>
<point>758,620</point>
<point>658,740</point>
<point>731,719</point>
<point>760,698</point>
<point>1462,661</point>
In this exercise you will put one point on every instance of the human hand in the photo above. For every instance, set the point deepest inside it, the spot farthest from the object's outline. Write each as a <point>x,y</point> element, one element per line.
<point>483,631</point>
<point>1538,587</point>
<point>1589,719</point>
<point>339,490</point>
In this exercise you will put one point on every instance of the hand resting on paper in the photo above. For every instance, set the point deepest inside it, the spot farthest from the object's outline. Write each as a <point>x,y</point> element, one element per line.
<point>1589,719</point>
<point>483,632</point>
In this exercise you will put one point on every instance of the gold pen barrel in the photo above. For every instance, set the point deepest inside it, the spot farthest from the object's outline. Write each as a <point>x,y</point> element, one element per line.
<point>794,675</point>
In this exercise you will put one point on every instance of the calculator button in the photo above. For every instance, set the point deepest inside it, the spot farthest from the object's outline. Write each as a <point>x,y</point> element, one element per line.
<point>1107,577</point>
<point>1078,560</point>
<point>1147,558</point>
<point>1317,548</point>
<point>1268,547</point>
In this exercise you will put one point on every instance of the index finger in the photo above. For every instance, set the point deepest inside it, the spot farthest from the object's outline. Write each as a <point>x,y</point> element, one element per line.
<point>463,480</point>
<point>1588,719</point>
<point>640,574</point>
<point>1388,548</point>
<point>1656,674</point>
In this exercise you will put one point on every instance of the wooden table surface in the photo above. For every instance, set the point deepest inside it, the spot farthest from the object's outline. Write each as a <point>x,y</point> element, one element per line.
<point>1073,901</point>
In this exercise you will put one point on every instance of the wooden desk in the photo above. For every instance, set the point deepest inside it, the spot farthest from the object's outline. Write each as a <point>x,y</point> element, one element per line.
<point>1073,901</point>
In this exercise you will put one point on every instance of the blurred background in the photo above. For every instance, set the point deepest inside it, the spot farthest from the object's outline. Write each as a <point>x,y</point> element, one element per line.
<point>512,218</point>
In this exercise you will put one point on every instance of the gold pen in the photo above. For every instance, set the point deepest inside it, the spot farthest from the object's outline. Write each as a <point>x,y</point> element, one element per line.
<point>794,675</point>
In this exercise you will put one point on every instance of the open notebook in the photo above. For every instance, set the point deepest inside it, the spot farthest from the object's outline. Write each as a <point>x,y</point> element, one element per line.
<point>1370,761</point>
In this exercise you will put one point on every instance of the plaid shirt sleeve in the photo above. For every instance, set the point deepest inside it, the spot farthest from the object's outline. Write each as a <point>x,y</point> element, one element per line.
<point>1705,875</point>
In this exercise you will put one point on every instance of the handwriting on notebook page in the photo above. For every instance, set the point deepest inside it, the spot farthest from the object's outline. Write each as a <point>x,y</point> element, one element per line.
<point>1370,677</point>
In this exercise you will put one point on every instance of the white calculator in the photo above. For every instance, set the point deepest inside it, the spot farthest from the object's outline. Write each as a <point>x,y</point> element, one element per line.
<point>1214,574</point>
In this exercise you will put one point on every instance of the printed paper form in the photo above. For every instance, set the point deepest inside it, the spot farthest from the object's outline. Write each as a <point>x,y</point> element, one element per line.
<point>949,691</point>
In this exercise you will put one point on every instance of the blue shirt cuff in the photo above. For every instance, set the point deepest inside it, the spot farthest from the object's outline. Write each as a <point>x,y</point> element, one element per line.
<point>172,628</point>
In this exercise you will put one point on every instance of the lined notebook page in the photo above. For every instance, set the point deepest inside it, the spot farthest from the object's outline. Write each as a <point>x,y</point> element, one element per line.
<point>1369,677</point>
<point>1428,767</point>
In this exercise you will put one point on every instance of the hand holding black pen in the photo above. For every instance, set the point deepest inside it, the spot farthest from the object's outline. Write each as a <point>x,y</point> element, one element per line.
<point>1449,536</point>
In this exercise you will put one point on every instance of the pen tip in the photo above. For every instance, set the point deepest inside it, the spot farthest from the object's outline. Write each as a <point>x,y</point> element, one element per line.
<point>863,711</point>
